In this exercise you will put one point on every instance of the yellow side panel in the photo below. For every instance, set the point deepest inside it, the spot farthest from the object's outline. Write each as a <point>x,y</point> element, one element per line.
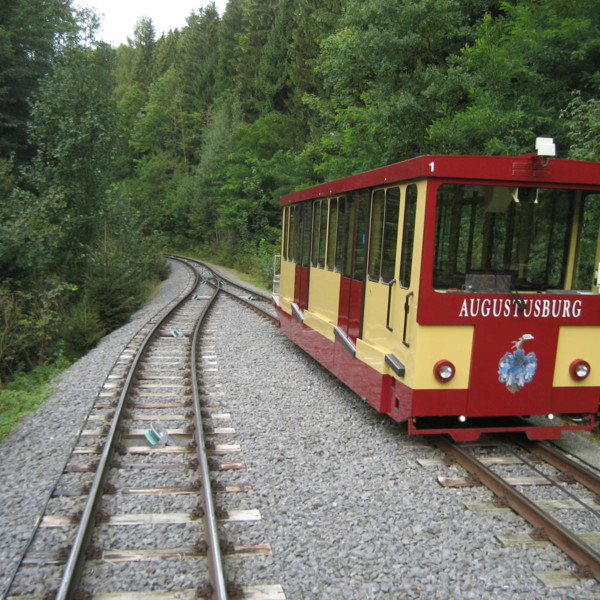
<point>319,324</point>
<point>577,342</point>
<point>430,344</point>
<point>324,294</point>
<point>440,342</point>
<point>285,305</point>
<point>286,285</point>
<point>375,314</point>
<point>372,355</point>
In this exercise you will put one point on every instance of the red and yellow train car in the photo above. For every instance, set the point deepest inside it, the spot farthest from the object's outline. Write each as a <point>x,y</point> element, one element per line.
<point>456,293</point>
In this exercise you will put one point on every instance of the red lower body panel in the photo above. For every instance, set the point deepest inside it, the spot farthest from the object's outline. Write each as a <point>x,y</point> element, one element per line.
<point>438,411</point>
<point>359,377</point>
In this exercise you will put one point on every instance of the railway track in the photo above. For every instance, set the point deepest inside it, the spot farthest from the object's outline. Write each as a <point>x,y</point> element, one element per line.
<point>134,513</point>
<point>559,496</point>
<point>258,301</point>
<point>146,525</point>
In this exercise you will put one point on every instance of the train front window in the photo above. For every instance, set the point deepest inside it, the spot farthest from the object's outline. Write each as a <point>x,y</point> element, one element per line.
<point>497,239</point>
<point>587,262</point>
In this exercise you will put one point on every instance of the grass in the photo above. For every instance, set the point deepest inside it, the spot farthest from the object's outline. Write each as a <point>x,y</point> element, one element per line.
<point>24,393</point>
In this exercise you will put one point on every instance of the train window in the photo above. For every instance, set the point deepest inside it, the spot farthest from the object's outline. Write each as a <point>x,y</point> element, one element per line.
<point>291,244</point>
<point>588,250</point>
<point>287,215</point>
<point>342,233</point>
<point>350,218</point>
<point>408,235</point>
<point>296,248</point>
<point>390,234</point>
<point>332,233</point>
<point>360,232</point>
<point>296,242</point>
<point>495,238</point>
<point>355,234</point>
<point>376,234</point>
<point>285,231</point>
<point>385,208</point>
<point>316,233</point>
<point>304,239</point>
<point>323,234</point>
<point>319,233</point>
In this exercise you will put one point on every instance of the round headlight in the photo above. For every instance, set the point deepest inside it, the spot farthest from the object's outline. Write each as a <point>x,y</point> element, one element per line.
<point>579,369</point>
<point>444,371</point>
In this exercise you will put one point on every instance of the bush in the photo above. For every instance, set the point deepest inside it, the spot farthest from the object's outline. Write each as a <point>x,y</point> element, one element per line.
<point>113,285</point>
<point>82,328</point>
<point>29,325</point>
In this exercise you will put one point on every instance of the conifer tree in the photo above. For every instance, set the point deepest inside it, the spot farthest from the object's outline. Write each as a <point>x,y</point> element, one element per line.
<point>197,58</point>
<point>30,36</point>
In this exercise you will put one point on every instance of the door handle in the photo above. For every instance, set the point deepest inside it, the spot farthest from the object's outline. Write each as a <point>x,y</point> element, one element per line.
<point>406,311</point>
<point>389,309</point>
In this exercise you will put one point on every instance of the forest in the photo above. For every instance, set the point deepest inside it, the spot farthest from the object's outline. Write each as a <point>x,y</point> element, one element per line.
<point>110,156</point>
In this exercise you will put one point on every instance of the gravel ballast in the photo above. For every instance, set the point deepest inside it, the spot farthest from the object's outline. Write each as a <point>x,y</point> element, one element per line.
<point>346,508</point>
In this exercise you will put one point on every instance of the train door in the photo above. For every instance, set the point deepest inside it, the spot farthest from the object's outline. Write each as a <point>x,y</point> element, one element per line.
<point>352,219</point>
<point>302,253</point>
<point>405,300</point>
<point>389,293</point>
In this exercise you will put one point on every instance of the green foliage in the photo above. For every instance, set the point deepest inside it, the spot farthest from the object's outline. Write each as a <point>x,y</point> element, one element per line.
<point>313,22</point>
<point>230,28</point>
<point>256,24</point>
<point>256,172</point>
<point>7,180</point>
<point>583,119</point>
<point>113,283</point>
<point>273,87</point>
<point>196,60</point>
<point>144,43</point>
<point>518,75</point>
<point>282,94</point>
<point>73,261</point>
<point>189,140</point>
<point>29,325</point>
<point>383,71</point>
<point>12,345</point>
<point>81,328</point>
<point>73,128</point>
<point>31,32</point>
<point>263,263</point>
<point>200,194</point>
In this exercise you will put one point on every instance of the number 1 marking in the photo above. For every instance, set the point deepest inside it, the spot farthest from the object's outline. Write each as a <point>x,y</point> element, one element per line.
<point>432,166</point>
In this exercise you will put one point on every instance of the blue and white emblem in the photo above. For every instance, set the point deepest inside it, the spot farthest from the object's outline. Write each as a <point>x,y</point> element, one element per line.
<point>517,368</point>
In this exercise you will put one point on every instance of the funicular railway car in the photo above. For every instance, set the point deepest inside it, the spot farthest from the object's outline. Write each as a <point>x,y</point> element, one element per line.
<point>458,294</point>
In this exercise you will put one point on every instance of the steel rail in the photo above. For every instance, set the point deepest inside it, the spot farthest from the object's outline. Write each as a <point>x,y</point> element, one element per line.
<point>74,565</point>
<point>567,541</point>
<point>250,305</point>
<point>557,459</point>
<point>219,278</point>
<point>215,558</point>
<point>258,295</point>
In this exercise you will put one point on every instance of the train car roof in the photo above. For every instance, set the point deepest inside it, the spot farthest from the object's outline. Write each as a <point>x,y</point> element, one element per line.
<point>527,169</point>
